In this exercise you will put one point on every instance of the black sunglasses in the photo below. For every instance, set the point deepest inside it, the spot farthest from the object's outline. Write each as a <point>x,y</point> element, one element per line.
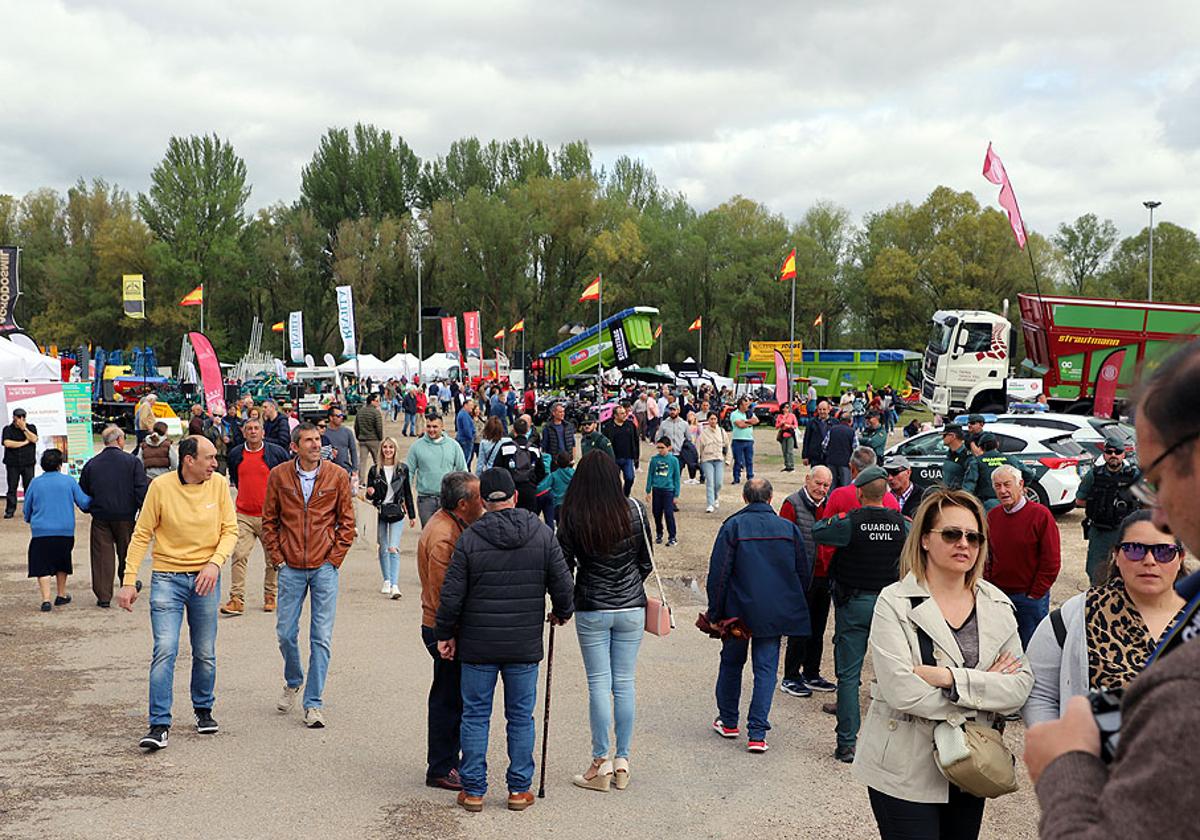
<point>1135,552</point>
<point>952,535</point>
<point>1146,490</point>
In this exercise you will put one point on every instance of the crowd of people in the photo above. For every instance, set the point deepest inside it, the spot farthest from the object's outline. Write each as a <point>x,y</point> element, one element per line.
<point>945,589</point>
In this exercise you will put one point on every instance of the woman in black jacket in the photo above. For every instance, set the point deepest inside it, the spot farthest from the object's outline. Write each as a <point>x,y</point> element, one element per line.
<point>389,489</point>
<point>605,539</point>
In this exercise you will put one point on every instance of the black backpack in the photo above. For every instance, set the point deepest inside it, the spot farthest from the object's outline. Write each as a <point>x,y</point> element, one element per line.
<point>523,464</point>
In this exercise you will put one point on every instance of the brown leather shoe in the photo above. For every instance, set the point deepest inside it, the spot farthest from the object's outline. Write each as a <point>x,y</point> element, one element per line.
<point>268,603</point>
<point>829,708</point>
<point>233,606</point>
<point>520,801</point>
<point>450,781</point>
<point>474,804</point>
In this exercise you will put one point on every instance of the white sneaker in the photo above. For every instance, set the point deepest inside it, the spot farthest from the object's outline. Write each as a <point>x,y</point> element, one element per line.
<point>708,509</point>
<point>387,588</point>
<point>396,593</point>
<point>314,719</point>
<point>288,699</point>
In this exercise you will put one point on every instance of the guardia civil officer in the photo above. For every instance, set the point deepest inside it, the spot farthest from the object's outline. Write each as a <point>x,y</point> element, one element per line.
<point>868,541</point>
<point>1106,494</point>
<point>960,470</point>
<point>874,435</point>
<point>988,456</point>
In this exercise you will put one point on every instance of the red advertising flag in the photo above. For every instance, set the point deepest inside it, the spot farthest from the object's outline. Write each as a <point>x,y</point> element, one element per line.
<point>1106,384</point>
<point>210,373</point>
<point>450,336</point>
<point>994,171</point>
<point>474,341</point>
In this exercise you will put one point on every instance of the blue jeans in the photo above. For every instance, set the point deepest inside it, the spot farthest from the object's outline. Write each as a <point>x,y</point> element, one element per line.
<point>520,696</point>
<point>764,651</point>
<point>388,535</point>
<point>170,594</point>
<point>1030,613</point>
<point>743,458</point>
<point>410,424</point>
<point>547,509</point>
<point>294,584</point>
<point>851,630</point>
<point>662,503</point>
<point>714,477</point>
<point>627,471</point>
<point>609,641</point>
<point>468,448</point>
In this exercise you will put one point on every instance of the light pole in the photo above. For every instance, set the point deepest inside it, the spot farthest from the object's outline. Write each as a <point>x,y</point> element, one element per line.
<point>1150,205</point>
<point>417,227</point>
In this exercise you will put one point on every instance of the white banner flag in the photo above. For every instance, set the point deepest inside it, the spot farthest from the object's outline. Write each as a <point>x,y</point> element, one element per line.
<point>345,305</point>
<point>296,336</point>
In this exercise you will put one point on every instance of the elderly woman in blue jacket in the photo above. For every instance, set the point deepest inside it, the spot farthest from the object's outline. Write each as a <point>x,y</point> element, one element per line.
<point>50,504</point>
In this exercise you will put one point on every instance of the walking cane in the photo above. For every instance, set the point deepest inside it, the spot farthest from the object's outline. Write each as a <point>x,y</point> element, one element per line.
<point>546,717</point>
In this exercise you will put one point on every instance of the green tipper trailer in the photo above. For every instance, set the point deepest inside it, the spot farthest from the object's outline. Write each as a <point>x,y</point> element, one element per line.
<point>621,335</point>
<point>832,371</point>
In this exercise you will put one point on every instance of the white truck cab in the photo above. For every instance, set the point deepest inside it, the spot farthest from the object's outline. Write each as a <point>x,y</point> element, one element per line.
<point>966,362</point>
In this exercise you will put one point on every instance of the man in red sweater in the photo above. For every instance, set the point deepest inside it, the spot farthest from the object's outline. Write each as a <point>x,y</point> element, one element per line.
<point>844,500</point>
<point>1024,554</point>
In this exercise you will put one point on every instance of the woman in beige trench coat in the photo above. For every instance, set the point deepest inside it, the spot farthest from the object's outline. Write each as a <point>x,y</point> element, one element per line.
<point>980,670</point>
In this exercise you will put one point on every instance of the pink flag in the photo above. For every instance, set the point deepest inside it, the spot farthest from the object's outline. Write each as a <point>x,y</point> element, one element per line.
<point>782,384</point>
<point>210,373</point>
<point>993,170</point>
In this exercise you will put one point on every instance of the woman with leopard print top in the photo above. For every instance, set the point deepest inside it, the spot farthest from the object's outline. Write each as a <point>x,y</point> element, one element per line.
<point>1112,628</point>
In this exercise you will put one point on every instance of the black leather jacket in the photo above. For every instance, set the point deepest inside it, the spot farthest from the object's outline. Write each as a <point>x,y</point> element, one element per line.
<point>402,487</point>
<point>613,581</point>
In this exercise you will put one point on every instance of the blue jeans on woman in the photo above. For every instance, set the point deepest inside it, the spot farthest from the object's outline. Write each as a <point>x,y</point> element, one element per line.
<point>714,477</point>
<point>294,584</point>
<point>743,458</point>
<point>764,652</point>
<point>609,641</point>
<point>520,696</point>
<point>170,594</point>
<point>410,424</point>
<point>388,536</point>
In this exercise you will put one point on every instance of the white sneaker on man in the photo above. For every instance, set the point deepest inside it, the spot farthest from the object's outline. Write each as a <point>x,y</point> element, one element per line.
<point>314,719</point>
<point>387,588</point>
<point>288,699</point>
<point>396,593</point>
<point>708,509</point>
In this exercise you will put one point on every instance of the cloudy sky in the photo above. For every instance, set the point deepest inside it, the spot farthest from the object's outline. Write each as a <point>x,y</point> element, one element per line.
<point>1093,106</point>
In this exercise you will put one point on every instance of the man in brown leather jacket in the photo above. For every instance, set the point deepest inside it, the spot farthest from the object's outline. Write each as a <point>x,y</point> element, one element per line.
<point>307,528</point>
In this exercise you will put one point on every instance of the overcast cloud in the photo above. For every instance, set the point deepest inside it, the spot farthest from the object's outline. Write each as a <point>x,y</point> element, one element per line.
<point>1093,106</point>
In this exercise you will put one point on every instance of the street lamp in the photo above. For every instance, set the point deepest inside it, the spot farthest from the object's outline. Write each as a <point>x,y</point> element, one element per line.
<point>419,229</point>
<point>1150,205</point>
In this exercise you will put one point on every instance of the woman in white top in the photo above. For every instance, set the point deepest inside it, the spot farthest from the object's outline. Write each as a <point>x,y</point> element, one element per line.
<point>389,489</point>
<point>979,671</point>
<point>1108,631</point>
<point>713,444</point>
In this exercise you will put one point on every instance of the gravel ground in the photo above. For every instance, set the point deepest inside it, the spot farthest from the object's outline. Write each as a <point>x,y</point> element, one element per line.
<point>74,686</point>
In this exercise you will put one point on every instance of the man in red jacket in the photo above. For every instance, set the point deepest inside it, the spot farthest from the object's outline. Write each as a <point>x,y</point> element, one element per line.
<point>1024,553</point>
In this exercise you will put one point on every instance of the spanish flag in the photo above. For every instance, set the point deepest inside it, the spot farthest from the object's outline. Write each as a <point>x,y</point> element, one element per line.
<point>592,292</point>
<point>277,327</point>
<point>696,325</point>
<point>518,327</point>
<point>658,331</point>
<point>820,320</point>
<point>499,336</point>
<point>194,298</point>
<point>788,271</point>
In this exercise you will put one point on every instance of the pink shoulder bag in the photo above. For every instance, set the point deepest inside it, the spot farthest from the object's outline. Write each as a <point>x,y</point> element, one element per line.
<point>659,619</point>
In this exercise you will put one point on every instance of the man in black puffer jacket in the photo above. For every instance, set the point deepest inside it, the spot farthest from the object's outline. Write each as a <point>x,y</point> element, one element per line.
<point>490,616</point>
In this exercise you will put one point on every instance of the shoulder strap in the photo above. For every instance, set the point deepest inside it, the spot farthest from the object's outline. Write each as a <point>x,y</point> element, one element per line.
<point>1060,626</point>
<point>923,640</point>
<point>662,593</point>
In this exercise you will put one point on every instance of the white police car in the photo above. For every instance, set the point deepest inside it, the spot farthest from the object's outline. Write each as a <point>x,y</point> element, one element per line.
<point>1053,455</point>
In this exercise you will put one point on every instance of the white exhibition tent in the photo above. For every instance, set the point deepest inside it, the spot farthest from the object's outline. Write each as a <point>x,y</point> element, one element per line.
<point>22,365</point>
<point>438,365</point>
<point>368,365</point>
<point>406,363</point>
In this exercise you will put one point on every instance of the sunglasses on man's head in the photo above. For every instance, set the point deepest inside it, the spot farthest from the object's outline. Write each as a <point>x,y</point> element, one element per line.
<point>952,535</point>
<point>1135,552</point>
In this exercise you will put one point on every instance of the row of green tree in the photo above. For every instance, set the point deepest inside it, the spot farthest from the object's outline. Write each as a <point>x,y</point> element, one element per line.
<point>515,229</point>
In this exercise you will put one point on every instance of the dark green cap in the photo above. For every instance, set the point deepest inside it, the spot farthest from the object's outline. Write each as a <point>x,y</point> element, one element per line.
<point>868,475</point>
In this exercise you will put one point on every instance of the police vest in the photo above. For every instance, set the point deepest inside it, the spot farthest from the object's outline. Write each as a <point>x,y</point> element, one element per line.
<point>1111,500</point>
<point>871,561</point>
<point>987,463</point>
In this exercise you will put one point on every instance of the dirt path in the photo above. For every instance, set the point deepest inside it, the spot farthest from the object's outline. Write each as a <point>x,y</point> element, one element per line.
<point>74,685</point>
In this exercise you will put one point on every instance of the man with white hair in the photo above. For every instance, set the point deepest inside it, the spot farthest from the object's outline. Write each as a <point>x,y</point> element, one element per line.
<point>805,507</point>
<point>1024,550</point>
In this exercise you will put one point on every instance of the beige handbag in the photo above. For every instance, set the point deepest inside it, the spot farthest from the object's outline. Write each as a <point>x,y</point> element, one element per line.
<point>659,619</point>
<point>972,756</point>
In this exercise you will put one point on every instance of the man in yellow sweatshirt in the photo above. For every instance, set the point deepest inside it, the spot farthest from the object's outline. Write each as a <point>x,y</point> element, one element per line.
<point>190,517</point>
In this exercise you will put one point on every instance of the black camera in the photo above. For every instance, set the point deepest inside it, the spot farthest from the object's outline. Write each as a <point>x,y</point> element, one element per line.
<point>1106,709</point>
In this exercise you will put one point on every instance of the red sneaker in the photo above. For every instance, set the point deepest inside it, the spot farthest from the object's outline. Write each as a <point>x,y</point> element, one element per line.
<point>725,731</point>
<point>757,747</point>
